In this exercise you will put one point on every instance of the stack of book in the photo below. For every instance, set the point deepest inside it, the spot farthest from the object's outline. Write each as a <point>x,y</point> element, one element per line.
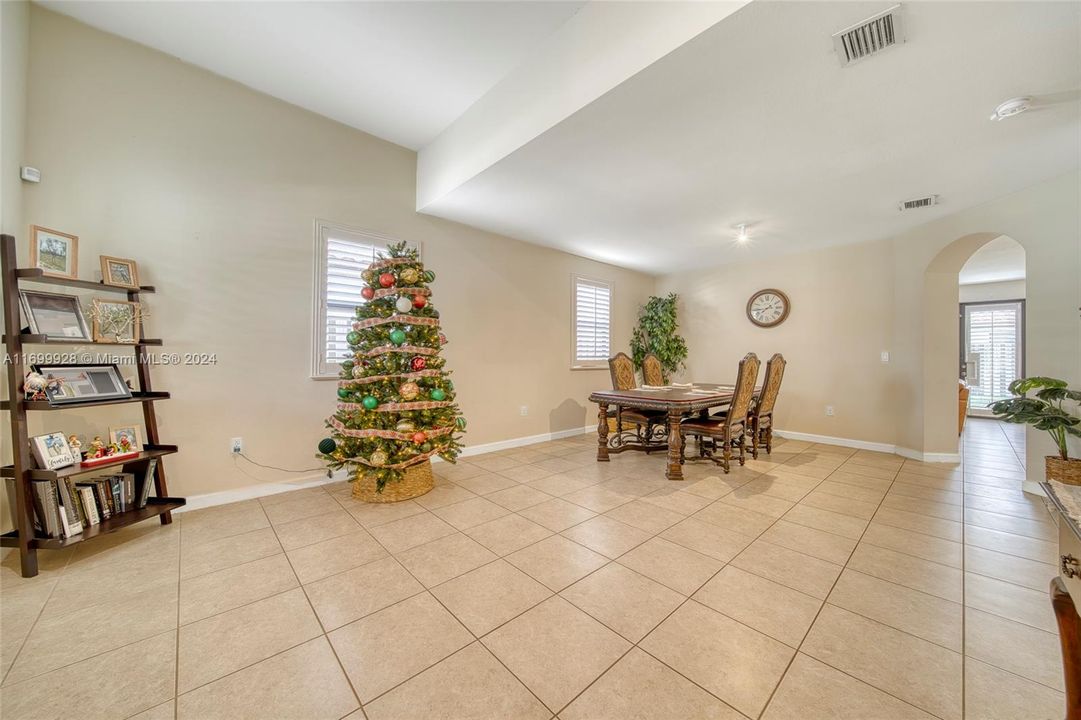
<point>64,507</point>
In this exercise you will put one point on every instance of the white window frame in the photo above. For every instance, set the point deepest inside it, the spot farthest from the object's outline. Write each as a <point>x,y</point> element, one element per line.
<point>593,363</point>
<point>321,369</point>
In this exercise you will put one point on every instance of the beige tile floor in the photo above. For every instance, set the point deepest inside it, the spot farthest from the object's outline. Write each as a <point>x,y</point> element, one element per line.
<point>820,582</point>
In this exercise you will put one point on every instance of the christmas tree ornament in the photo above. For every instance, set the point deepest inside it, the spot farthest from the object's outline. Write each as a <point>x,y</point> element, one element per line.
<point>419,301</point>
<point>343,393</point>
<point>443,339</point>
<point>386,280</point>
<point>405,427</point>
<point>359,371</point>
<point>419,437</point>
<point>438,395</point>
<point>460,422</point>
<point>367,292</point>
<point>429,276</point>
<point>403,305</point>
<point>418,363</point>
<point>409,275</point>
<point>426,447</point>
<point>409,390</point>
<point>370,402</point>
<point>327,446</point>
<point>352,337</point>
<point>347,365</point>
<point>378,458</point>
<point>397,336</point>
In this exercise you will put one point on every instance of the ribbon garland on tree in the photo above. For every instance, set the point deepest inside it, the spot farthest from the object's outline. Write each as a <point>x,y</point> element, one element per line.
<point>395,403</point>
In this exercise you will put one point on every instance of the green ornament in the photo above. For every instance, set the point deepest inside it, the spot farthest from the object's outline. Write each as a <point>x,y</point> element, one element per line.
<point>353,337</point>
<point>343,393</point>
<point>397,336</point>
<point>460,422</point>
<point>347,365</point>
<point>370,402</point>
<point>450,385</point>
<point>327,446</point>
<point>438,394</point>
<point>426,447</point>
<point>429,276</point>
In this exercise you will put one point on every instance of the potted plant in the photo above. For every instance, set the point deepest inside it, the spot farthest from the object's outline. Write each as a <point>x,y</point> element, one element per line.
<point>1045,412</point>
<point>656,333</point>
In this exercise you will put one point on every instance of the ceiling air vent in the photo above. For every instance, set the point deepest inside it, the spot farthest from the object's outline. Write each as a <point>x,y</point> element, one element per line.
<point>918,203</point>
<point>870,37</point>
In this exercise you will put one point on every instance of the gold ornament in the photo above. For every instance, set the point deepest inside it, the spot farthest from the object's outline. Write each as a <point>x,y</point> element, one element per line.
<point>378,458</point>
<point>358,372</point>
<point>409,275</point>
<point>409,390</point>
<point>404,427</point>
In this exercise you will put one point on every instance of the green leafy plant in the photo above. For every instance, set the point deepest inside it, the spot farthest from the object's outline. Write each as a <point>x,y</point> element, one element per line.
<point>656,333</point>
<point>1045,411</point>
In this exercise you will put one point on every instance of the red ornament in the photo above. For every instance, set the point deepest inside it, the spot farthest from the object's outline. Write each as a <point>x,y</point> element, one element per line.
<point>419,301</point>
<point>367,293</point>
<point>419,437</point>
<point>386,280</point>
<point>442,339</point>
<point>418,363</point>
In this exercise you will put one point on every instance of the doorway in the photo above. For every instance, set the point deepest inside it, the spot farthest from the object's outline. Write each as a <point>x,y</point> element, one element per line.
<point>992,351</point>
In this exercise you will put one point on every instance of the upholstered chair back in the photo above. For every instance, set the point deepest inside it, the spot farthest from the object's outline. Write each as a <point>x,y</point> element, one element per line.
<point>652,374</point>
<point>771,384</point>
<point>622,369</point>
<point>744,392</point>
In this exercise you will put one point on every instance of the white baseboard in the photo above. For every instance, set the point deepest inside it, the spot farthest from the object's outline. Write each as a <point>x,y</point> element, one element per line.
<point>249,492</point>
<point>876,446</point>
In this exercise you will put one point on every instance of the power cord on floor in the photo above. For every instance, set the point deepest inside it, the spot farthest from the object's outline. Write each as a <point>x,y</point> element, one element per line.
<point>274,467</point>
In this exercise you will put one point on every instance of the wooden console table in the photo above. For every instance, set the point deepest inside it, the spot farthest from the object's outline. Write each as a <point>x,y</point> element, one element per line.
<point>1065,593</point>
<point>676,403</point>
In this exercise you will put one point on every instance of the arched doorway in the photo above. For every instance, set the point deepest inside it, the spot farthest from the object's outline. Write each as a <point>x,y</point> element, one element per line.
<point>942,339</point>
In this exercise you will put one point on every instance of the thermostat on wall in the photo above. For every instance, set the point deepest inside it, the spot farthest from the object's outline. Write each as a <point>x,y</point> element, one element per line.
<point>30,174</point>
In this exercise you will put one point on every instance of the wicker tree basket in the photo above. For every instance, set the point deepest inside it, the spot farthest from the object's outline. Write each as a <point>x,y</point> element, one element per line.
<point>1065,471</point>
<point>416,481</point>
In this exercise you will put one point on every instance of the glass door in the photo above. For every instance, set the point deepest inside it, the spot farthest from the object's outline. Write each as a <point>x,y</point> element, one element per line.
<point>992,350</point>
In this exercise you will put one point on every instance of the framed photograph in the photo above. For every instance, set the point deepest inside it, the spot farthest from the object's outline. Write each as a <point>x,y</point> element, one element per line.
<point>70,384</point>
<point>54,314</point>
<point>126,438</point>
<point>52,451</point>
<point>116,321</point>
<point>54,252</point>
<point>119,272</point>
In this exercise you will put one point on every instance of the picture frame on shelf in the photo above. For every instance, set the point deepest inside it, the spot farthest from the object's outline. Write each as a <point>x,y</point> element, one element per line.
<point>132,434</point>
<point>76,383</point>
<point>119,272</point>
<point>54,314</point>
<point>55,253</point>
<point>116,321</point>
<point>51,451</point>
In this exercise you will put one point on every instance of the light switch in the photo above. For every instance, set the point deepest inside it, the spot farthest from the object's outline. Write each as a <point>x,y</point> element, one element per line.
<point>885,356</point>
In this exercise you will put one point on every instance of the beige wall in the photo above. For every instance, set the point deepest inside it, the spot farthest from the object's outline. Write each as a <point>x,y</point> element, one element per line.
<point>842,300</point>
<point>14,55</point>
<point>214,189</point>
<point>988,292</point>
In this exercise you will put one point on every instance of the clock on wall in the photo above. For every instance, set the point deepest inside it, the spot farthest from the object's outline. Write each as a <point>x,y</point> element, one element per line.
<point>768,308</point>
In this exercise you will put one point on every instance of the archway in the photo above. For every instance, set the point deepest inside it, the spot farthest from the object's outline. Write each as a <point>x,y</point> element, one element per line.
<point>941,342</point>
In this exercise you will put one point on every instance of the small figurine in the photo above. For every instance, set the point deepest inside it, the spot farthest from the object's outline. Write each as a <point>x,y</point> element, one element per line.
<point>34,386</point>
<point>97,448</point>
<point>76,446</point>
<point>123,443</point>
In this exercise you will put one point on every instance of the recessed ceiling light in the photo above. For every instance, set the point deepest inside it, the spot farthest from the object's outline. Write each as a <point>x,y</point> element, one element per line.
<point>1013,106</point>
<point>742,236</point>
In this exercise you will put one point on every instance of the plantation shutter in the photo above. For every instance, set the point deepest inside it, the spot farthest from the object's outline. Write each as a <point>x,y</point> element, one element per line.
<point>994,349</point>
<point>592,328</point>
<point>342,255</point>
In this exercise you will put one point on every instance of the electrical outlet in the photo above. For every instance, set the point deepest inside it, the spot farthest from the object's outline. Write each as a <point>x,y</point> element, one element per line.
<point>885,356</point>
<point>524,410</point>
<point>236,445</point>
<point>829,411</point>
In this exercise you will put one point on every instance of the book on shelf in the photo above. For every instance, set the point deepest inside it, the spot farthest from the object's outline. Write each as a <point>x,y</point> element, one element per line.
<point>100,497</point>
<point>90,504</point>
<point>147,482</point>
<point>46,508</point>
<point>70,524</point>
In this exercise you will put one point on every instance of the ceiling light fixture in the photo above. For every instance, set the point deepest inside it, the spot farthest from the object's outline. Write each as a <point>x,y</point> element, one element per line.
<point>1013,106</point>
<point>742,237</point>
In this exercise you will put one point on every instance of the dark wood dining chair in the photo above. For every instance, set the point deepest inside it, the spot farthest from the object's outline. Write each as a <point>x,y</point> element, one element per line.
<point>621,368</point>
<point>728,428</point>
<point>652,372</point>
<point>761,416</point>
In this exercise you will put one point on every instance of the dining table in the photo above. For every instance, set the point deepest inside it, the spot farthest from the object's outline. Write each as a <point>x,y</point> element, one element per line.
<point>674,401</point>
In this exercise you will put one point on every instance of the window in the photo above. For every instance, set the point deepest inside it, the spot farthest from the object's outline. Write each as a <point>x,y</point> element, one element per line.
<point>342,255</point>
<point>592,300</point>
<point>993,347</point>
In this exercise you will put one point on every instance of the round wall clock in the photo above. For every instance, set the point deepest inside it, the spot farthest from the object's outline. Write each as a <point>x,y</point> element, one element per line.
<point>768,308</point>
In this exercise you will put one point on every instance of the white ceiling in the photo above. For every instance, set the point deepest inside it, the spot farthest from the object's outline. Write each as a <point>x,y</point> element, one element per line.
<point>399,70</point>
<point>1000,260</point>
<point>755,121</point>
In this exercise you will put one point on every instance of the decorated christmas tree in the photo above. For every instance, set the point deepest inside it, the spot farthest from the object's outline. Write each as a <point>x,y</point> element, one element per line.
<point>396,404</point>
